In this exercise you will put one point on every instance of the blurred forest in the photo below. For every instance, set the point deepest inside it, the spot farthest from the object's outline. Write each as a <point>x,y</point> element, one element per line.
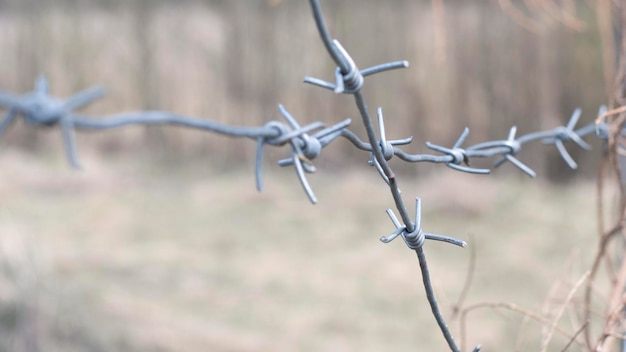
<point>234,61</point>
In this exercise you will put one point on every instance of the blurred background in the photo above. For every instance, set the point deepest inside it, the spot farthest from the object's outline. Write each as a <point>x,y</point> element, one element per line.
<point>162,242</point>
<point>234,61</point>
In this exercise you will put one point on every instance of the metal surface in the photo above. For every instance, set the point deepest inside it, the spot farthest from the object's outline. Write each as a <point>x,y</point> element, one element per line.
<point>306,141</point>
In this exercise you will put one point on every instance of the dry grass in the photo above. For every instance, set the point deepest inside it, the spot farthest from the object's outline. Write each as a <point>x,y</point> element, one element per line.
<point>184,257</point>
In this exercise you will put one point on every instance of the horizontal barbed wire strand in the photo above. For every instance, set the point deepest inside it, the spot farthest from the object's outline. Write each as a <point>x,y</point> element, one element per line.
<point>39,108</point>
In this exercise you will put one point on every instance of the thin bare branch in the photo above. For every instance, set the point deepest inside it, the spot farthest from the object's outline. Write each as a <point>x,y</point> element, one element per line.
<point>510,307</point>
<point>564,306</point>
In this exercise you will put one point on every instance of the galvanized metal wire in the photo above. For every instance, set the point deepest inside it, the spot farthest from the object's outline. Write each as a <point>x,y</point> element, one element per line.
<point>39,108</point>
<point>306,142</point>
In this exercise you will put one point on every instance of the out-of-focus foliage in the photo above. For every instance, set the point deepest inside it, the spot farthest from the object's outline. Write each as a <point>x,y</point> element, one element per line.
<point>234,61</point>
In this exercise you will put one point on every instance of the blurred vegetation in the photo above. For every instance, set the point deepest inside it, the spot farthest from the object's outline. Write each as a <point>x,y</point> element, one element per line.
<point>234,61</point>
<point>136,256</point>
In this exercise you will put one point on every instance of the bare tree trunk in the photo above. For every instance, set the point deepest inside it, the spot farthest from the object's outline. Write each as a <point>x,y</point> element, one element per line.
<point>30,51</point>
<point>144,12</point>
<point>550,113</point>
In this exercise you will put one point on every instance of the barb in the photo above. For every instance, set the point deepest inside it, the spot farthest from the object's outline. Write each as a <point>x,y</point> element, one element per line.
<point>458,155</point>
<point>600,127</point>
<point>348,78</point>
<point>386,146</point>
<point>508,149</point>
<point>40,109</point>
<point>565,133</point>
<point>417,237</point>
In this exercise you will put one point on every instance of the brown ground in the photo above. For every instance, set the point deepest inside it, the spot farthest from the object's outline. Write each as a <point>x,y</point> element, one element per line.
<point>128,256</point>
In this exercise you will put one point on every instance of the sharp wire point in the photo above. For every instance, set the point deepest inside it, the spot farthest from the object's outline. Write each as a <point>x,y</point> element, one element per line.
<point>461,139</point>
<point>258,164</point>
<point>418,213</point>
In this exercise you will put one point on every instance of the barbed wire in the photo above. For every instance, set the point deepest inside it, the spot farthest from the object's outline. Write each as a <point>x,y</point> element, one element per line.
<point>306,141</point>
<point>40,109</point>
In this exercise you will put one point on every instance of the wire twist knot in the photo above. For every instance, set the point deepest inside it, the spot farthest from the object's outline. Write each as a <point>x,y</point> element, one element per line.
<point>351,81</point>
<point>349,78</point>
<point>39,108</point>
<point>311,147</point>
<point>304,147</point>
<point>508,148</point>
<point>415,239</point>
<point>386,146</point>
<point>387,149</point>
<point>458,156</point>
<point>514,146</point>
<point>281,130</point>
<point>567,133</point>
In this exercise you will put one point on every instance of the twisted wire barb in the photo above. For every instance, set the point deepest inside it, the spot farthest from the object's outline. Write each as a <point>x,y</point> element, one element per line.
<point>39,108</point>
